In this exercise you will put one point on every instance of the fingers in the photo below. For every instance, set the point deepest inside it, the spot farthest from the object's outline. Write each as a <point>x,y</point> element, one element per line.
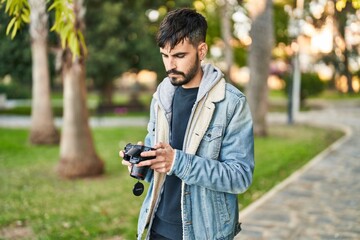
<point>126,163</point>
<point>121,153</point>
<point>162,167</point>
<point>163,158</point>
<point>157,165</point>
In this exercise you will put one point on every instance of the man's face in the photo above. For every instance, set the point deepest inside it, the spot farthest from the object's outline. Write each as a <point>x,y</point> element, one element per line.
<point>182,64</point>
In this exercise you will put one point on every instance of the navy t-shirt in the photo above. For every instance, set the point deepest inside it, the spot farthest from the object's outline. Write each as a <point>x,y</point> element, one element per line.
<point>167,220</point>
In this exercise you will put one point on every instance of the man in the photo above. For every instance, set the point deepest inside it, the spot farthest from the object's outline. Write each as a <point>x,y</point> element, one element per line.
<point>201,128</point>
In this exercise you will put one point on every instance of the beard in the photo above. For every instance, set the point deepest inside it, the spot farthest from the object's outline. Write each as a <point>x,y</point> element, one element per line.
<point>186,77</point>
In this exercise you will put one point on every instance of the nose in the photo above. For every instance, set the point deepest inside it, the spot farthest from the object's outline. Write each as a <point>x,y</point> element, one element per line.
<point>170,63</point>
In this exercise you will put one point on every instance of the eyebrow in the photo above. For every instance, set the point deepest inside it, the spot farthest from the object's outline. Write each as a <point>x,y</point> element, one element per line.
<point>175,54</point>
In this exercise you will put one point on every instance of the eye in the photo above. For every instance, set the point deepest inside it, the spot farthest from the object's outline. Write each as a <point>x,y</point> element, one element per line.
<point>164,55</point>
<point>180,55</point>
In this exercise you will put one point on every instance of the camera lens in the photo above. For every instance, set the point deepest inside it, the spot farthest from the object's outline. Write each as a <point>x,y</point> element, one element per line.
<point>138,172</point>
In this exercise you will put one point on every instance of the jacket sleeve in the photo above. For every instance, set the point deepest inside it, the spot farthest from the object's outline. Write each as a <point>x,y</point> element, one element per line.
<point>149,139</point>
<point>232,172</point>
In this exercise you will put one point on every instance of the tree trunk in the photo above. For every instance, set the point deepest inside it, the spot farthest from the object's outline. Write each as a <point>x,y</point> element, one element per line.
<point>341,19</point>
<point>106,93</point>
<point>259,62</point>
<point>226,34</point>
<point>78,157</point>
<point>77,151</point>
<point>347,72</point>
<point>43,129</point>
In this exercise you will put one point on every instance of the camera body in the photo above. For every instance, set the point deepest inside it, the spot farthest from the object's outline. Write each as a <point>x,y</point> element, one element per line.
<point>132,154</point>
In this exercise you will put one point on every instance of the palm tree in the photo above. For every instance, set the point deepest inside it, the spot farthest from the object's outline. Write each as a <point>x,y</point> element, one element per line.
<point>78,157</point>
<point>43,129</point>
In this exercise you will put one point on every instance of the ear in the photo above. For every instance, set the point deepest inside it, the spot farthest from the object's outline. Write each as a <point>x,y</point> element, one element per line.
<point>202,49</point>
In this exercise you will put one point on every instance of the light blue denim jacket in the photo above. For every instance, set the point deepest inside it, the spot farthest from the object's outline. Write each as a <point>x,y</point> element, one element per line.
<point>217,161</point>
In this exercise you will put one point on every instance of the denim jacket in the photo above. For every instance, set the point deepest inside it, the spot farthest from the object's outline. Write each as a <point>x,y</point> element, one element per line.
<point>216,163</point>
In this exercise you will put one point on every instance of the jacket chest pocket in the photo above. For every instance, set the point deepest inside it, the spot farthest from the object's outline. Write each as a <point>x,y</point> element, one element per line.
<point>211,143</point>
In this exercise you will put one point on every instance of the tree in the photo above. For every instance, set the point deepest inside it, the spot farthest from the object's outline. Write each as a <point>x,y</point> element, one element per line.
<point>126,42</point>
<point>78,157</point>
<point>259,58</point>
<point>42,129</point>
<point>339,18</point>
<point>226,34</point>
<point>341,14</point>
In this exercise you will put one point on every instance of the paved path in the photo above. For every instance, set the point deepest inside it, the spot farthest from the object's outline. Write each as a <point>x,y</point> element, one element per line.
<point>25,122</point>
<point>319,201</point>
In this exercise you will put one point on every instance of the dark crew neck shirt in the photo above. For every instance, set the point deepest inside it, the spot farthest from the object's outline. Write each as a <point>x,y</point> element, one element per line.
<point>167,220</point>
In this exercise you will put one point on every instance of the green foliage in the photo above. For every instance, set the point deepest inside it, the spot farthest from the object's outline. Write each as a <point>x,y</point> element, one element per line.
<point>67,27</point>
<point>120,38</point>
<point>20,12</point>
<point>92,103</point>
<point>34,198</point>
<point>311,85</point>
<point>240,56</point>
<point>214,25</point>
<point>341,4</point>
<point>15,55</point>
<point>15,91</point>
<point>281,19</point>
<point>111,36</point>
<point>65,23</point>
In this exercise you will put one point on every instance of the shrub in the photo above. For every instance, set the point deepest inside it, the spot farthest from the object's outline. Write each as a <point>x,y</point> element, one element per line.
<point>15,91</point>
<point>311,85</point>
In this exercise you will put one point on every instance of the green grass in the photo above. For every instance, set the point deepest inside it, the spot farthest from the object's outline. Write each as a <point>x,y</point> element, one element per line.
<point>33,197</point>
<point>335,95</point>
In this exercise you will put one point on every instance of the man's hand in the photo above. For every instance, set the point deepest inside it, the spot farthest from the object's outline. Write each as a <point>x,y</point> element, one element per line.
<point>164,157</point>
<point>127,163</point>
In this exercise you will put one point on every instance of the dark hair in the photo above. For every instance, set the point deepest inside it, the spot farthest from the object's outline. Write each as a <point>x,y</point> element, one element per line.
<point>182,24</point>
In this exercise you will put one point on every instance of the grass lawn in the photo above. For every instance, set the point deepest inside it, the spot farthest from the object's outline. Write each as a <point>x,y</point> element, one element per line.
<point>36,204</point>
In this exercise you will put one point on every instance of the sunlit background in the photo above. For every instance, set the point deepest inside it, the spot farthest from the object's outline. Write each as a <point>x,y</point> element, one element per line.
<point>324,34</point>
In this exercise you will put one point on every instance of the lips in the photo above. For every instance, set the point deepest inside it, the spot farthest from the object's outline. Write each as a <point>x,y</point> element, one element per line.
<point>174,75</point>
<point>174,72</point>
